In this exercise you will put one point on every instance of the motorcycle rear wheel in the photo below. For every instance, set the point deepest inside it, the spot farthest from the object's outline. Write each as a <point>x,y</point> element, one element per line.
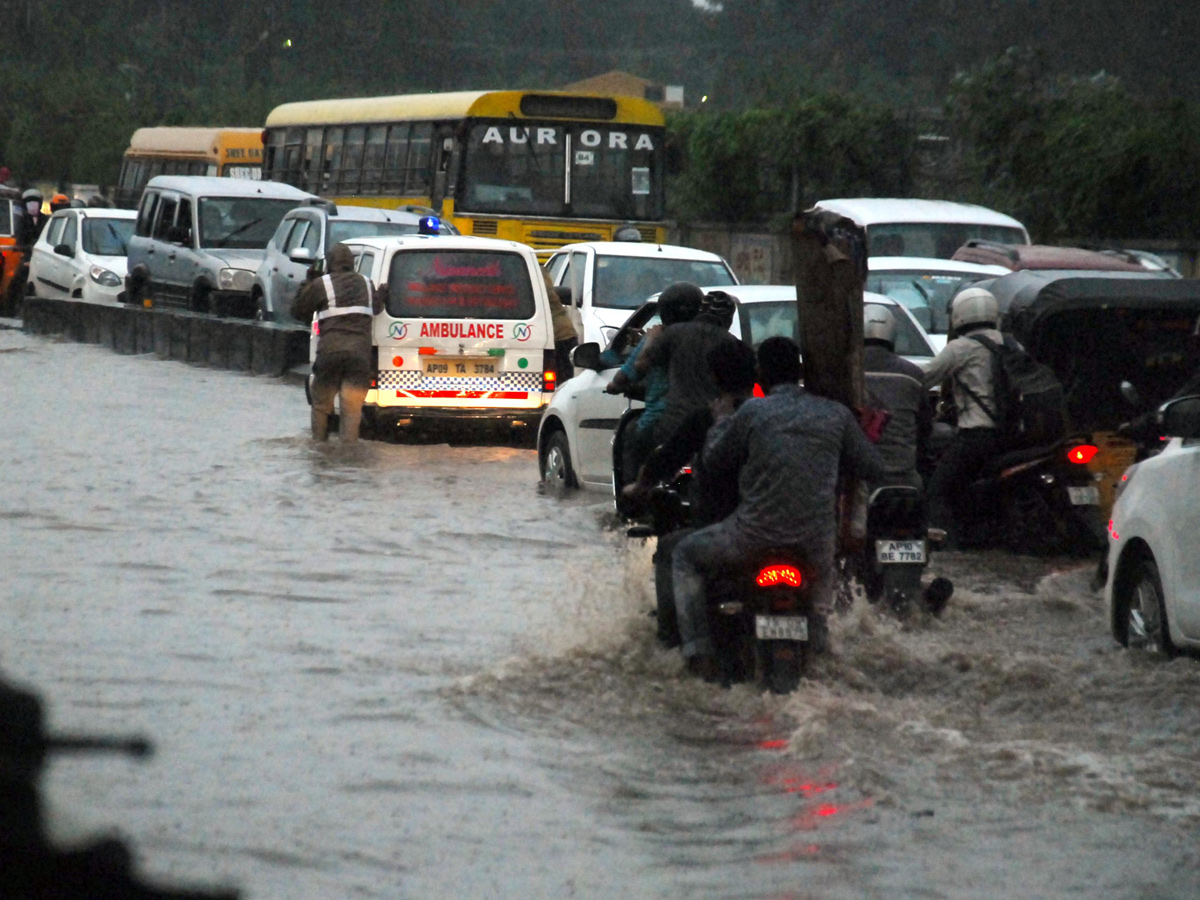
<point>1031,526</point>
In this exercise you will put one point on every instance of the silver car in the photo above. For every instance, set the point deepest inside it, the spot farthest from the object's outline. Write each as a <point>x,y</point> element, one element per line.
<point>305,235</point>
<point>199,240</point>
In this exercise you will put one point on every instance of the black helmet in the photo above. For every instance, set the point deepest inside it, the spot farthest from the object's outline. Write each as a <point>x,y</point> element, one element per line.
<point>720,306</point>
<point>679,302</point>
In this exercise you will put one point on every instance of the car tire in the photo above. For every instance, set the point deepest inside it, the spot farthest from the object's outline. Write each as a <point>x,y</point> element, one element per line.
<point>557,475</point>
<point>200,300</point>
<point>261,313</point>
<point>1146,612</point>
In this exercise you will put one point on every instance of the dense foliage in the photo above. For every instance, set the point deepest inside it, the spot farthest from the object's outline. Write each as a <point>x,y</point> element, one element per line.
<point>804,98</point>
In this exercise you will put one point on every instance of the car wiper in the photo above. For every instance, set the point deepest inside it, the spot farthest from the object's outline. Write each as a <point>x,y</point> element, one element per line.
<point>117,235</point>
<point>229,237</point>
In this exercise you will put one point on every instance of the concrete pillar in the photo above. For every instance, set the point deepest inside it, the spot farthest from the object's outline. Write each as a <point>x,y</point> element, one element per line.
<point>199,331</point>
<point>144,320</point>
<point>179,336</point>
<point>125,328</point>
<point>162,325</point>
<point>239,351</point>
<point>218,344</point>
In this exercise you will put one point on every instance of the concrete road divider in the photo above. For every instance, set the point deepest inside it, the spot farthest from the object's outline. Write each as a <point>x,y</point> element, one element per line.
<point>240,345</point>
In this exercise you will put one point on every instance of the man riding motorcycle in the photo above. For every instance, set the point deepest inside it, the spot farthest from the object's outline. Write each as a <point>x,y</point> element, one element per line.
<point>896,385</point>
<point>967,365</point>
<point>787,449</point>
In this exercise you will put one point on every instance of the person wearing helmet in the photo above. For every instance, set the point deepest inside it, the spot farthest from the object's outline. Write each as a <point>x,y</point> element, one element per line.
<point>33,219</point>
<point>967,365</point>
<point>895,384</point>
<point>59,201</point>
<point>565,336</point>
<point>678,303</point>
<point>683,348</point>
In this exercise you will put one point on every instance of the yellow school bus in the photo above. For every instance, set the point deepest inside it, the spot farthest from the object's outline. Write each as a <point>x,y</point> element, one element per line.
<point>542,168</point>
<point>229,152</point>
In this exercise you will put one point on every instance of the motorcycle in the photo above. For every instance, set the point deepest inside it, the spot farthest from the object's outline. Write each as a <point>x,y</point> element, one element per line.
<point>896,552</point>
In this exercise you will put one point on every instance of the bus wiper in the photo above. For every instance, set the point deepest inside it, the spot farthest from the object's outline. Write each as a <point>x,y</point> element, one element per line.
<point>528,141</point>
<point>229,237</point>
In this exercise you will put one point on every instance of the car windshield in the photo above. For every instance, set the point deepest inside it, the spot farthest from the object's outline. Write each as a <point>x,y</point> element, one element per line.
<point>242,223</point>
<point>107,237</point>
<point>780,319</point>
<point>459,284</point>
<point>926,294</point>
<point>934,240</point>
<point>625,282</point>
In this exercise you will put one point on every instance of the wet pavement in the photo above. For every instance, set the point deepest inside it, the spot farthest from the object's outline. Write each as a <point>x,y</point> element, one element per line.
<point>396,670</point>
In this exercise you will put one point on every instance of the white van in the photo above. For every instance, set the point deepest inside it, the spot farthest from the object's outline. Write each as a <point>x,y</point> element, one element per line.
<point>928,228</point>
<point>466,333</point>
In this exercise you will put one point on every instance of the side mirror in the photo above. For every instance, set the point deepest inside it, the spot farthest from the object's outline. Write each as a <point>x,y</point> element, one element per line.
<point>586,356</point>
<point>1130,393</point>
<point>1181,418</point>
<point>564,294</point>
<point>64,250</point>
<point>303,256</point>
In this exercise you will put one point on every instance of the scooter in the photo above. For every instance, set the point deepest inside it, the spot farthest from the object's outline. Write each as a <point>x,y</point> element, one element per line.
<point>896,552</point>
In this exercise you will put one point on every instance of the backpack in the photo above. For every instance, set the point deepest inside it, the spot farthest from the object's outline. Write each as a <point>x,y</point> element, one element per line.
<point>1030,405</point>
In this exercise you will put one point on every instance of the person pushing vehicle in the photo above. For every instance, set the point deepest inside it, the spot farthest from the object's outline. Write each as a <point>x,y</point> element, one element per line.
<point>345,304</point>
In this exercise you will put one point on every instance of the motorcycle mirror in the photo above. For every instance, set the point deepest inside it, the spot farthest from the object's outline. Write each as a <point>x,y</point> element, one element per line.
<point>1130,393</point>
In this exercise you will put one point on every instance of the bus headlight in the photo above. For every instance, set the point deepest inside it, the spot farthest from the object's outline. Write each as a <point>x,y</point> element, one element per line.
<point>104,277</point>
<point>235,279</point>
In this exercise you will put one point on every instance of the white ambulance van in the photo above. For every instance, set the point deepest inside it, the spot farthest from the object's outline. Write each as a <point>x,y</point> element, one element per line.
<point>466,332</point>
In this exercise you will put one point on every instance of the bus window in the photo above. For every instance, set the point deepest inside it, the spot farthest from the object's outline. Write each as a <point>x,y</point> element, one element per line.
<point>273,154</point>
<point>373,159</point>
<point>332,165</point>
<point>352,154</point>
<point>416,177</point>
<point>291,156</point>
<point>514,169</point>
<point>312,153</point>
<point>397,155</point>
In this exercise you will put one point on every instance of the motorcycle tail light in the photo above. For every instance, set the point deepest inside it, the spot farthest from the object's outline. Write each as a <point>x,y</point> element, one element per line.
<point>1082,454</point>
<point>769,576</point>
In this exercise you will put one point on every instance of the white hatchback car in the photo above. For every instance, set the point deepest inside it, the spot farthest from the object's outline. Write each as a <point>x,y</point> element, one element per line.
<point>81,255</point>
<point>609,279</point>
<point>1153,587</point>
<point>575,437</point>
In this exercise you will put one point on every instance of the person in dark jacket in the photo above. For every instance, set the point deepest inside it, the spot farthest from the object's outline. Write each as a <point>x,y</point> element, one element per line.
<point>898,386</point>
<point>345,304</point>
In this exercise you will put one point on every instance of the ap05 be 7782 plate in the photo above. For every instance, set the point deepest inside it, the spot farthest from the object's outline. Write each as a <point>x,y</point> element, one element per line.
<point>781,628</point>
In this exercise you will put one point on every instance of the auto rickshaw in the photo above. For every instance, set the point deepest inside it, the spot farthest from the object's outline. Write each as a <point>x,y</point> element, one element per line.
<point>1096,330</point>
<point>11,254</point>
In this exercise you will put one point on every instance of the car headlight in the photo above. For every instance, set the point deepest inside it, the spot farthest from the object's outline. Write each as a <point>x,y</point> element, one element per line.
<point>104,277</point>
<point>235,279</point>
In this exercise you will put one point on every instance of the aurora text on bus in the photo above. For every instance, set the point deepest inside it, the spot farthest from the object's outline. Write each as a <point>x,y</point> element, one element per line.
<point>617,140</point>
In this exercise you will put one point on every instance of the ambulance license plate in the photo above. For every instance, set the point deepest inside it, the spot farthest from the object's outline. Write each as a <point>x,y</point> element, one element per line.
<point>1084,496</point>
<point>458,367</point>
<point>900,551</point>
<point>781,628</point>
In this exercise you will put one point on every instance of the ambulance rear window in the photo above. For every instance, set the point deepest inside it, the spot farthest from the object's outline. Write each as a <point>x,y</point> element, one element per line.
<point>459,284</point>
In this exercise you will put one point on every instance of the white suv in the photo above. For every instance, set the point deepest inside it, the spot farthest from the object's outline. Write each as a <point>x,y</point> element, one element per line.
<point>604,281</point>
<point>1153,587</point>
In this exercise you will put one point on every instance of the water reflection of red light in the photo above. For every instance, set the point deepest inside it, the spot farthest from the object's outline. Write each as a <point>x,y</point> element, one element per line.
<point>780,744</point>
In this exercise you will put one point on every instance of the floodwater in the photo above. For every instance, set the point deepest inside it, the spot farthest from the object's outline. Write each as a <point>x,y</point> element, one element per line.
<point>397,671</point>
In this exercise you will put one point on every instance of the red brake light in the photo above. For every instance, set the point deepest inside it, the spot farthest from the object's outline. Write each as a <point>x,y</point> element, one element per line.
<point>1082,455</point>
<point>758,391</point>
<point>773,575</point>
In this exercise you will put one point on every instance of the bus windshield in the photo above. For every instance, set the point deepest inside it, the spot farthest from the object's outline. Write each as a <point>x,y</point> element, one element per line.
<point>614,172</point>
<point>107,237</point>
<point>459,284</point>
<point>242,223</point>
<point>625,282</point>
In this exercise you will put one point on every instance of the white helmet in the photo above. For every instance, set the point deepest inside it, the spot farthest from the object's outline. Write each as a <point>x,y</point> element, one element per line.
<point>879,324</point>
<point>974,306</point>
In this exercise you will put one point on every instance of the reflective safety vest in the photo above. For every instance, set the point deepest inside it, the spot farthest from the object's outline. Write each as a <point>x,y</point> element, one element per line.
<point>333,309</point>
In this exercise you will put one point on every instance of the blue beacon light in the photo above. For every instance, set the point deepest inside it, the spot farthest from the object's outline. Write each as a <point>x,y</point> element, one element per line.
<point>429,225</point>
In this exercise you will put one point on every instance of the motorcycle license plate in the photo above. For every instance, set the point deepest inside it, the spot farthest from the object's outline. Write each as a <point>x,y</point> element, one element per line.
<point>1084,496</point>
<point>781,628</point>
<point>459,367</point>
<point>900,551</point>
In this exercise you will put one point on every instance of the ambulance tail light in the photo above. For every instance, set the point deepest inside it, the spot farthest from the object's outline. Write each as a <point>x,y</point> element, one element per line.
<point>374,367</point>
<point>549,373</point>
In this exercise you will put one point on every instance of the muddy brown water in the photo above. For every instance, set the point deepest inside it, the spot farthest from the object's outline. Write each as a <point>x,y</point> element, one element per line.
<point>399,671</point>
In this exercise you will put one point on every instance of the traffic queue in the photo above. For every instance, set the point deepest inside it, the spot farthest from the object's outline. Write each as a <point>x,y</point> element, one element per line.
<point>1031,355</point>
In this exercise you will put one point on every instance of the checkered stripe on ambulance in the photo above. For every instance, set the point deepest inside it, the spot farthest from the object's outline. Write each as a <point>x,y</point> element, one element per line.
<point>467,326</point>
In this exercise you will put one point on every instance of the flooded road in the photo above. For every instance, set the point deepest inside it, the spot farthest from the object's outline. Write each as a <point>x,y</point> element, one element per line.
<point>399,671</point>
